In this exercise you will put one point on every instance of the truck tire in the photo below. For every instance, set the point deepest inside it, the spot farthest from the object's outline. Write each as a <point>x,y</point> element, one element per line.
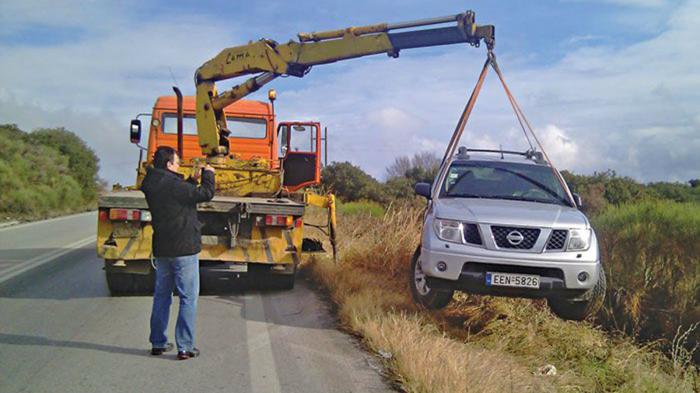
<point>261,277</point>
<point>583,307</point>
<point>130,284</point>
<point>282,281</point>
<point>422,294</point>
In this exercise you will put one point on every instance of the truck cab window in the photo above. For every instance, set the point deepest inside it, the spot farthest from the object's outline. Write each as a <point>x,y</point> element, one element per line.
<point>246,127</point>
<point>303,138</point>
<point>189,124</point>
<point>240,127</point>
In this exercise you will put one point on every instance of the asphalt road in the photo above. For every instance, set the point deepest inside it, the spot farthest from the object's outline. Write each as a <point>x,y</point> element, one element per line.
<point>61,331</point>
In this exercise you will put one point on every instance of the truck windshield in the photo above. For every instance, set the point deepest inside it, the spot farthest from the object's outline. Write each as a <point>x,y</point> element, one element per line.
<point>240,127</point>
<point>503,180</point>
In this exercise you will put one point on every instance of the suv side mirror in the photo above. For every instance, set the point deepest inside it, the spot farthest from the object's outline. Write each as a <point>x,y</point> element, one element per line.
<point>135,131</point>
<point>423,189</point>
<point>577,200</point>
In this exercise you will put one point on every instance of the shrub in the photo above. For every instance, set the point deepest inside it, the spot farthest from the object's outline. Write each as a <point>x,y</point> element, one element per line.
<point>44,174</point>
<point>651,253</point>
<point>82,161</point>
<point>350,183</point>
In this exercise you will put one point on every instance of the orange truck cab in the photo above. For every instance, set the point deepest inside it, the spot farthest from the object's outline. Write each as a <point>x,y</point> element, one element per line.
<point>254,136</point>
<point>253,225</point>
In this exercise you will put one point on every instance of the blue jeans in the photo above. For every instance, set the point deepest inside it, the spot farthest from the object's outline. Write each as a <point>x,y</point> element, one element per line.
<point>181,273</point>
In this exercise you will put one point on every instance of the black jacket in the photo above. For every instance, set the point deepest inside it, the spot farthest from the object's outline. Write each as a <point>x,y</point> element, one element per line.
<point>173,205</point>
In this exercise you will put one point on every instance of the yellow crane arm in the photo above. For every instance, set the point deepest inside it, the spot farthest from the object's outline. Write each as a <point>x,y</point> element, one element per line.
<point>268,60</point>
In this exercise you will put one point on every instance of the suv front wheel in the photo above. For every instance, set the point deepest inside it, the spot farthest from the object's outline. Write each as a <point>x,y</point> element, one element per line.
<point>422,294</point>
<point>583,307</point>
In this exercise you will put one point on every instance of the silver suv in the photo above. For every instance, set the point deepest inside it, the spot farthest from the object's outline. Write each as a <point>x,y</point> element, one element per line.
<point>500,223</point>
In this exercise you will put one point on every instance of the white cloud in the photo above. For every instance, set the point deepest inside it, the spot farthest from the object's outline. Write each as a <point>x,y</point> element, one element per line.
<point>632,108</point>
<point>563,151</point>
<point>95,83</point>
<point>586,38</point>
<point>594,107</point>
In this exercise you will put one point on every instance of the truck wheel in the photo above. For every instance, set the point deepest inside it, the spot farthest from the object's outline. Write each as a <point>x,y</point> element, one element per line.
<point>130,284</point>
<point>583,307</point>
<point>422,294</point>
<point>260,276</point>
<point>280,281</point>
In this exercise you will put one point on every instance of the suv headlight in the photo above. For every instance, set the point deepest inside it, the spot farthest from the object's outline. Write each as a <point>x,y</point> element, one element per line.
<point>448,230</point>
<point>579,239</point>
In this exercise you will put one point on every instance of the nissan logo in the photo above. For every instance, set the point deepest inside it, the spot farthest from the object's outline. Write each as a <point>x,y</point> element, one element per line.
<point>515,238</point>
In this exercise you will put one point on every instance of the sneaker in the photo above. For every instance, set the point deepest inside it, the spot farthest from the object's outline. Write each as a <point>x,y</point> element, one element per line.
<point>159,351</point>
<point>184,355</point>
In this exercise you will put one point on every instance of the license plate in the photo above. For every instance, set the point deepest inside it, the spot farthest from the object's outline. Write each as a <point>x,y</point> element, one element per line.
<point>512,280</point>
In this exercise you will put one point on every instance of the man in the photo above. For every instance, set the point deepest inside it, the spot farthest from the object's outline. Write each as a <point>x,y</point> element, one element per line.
<point>176,243</point>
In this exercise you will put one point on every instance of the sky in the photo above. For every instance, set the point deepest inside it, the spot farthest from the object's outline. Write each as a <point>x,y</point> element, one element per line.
<point>606,84</point>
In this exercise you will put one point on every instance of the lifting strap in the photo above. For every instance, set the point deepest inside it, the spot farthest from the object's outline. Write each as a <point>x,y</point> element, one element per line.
<point>522,120</point>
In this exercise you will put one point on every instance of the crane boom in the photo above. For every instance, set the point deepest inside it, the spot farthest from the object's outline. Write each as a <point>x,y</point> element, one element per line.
<point>268,60</point>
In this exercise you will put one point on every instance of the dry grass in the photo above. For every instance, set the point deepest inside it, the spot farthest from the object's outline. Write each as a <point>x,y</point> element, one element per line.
<point>420,357</point>
<point>477,344</point>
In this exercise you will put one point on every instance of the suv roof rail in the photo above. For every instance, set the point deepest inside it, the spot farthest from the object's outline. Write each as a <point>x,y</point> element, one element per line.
<point>537,156</point>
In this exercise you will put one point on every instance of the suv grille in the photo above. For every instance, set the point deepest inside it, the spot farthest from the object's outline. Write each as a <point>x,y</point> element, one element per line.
<point>529,237</point>
<point>557,239</point>
<point>471,234</point>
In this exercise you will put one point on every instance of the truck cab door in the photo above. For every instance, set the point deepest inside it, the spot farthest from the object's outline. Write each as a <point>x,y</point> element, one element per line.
<point>300,151</point>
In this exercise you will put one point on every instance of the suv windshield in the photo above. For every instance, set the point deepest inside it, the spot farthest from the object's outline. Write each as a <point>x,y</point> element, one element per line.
<point>503,180</point>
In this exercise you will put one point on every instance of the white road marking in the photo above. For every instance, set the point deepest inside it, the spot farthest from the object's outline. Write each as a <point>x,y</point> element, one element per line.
<point>263,375</point>
<point>29,224</point>
<point>43,258</point>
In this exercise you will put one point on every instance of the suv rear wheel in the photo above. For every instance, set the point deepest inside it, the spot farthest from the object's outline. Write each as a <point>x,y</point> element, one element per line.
<point>422,294</point>
<point>583,307</point>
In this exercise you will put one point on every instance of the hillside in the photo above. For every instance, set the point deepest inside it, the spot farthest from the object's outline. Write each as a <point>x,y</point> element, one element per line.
<point>44,173</point>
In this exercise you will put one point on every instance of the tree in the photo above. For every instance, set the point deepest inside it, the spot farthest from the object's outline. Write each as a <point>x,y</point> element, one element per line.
<point>82,161</point>
<point>350,183</point>
<point>422,167</point>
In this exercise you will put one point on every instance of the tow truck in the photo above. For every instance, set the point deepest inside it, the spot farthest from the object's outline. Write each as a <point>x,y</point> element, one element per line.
<point>264,169</point>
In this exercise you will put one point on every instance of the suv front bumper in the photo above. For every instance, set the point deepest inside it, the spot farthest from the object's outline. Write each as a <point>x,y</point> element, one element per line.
<point>466,269</point>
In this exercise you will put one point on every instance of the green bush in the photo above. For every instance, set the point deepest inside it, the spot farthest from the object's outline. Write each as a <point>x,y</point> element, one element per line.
<point>82,161</point>
<point>45,173</point>
<point>350,183</point>
<point>607,188</point>
<point>651,253</point>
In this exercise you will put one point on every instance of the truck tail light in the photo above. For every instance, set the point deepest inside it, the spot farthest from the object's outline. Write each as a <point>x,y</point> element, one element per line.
<point>125,214</point>
<point>103,215</point>
<point>298,223</point>
<point>275,220</point>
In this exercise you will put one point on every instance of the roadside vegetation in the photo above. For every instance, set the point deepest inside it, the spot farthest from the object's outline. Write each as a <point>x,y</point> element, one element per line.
<point>642,341</point>
<point>47,172</point>
<point>651,252</point>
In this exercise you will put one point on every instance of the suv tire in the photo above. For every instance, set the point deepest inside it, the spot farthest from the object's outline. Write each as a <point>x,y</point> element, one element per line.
<point>422,294</point>
<point>583,307</point>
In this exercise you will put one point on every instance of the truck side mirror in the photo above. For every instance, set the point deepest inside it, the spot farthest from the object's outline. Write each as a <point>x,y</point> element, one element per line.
<point>423,189</point>
<point>135,131</point>
<point>577,200</point>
